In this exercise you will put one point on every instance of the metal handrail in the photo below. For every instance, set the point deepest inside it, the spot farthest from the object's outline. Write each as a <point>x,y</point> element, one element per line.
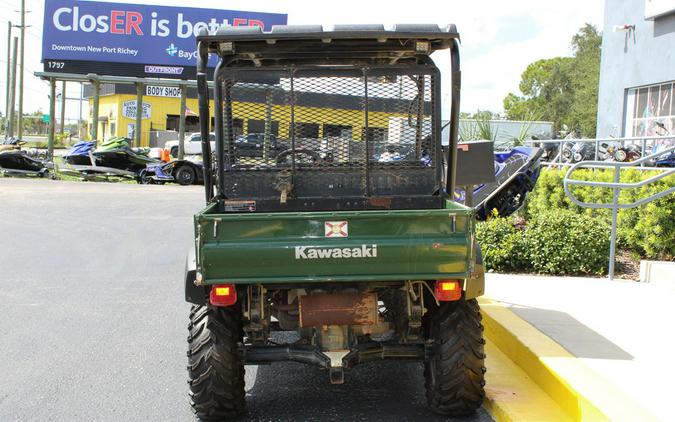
<point>617,186</point>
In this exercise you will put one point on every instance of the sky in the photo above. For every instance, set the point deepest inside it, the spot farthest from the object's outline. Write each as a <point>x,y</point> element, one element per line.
<point>499,38</point>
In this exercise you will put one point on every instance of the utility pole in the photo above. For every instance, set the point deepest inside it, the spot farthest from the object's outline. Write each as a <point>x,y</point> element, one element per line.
<point>181,122</point>
<point>63,107</point>
<point>23,36</point>
<point>9,75</point>
<point>52,118</point>
<point>139,113</point>
<point>12,89</point>
<point>79,116</point>
<point>94,119</point>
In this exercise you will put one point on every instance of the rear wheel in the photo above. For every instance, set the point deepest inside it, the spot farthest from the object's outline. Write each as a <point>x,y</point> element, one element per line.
<point>454,377</point>
<point>215,368</point>
<point>185,175</point>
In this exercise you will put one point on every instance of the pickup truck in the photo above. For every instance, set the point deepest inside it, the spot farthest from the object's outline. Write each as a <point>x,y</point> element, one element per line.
<point>192,144</point>
<point>250,145</point>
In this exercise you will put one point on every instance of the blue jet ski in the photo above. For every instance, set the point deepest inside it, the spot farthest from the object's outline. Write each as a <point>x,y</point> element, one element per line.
<point>79,153</point>
<point>516,173</point>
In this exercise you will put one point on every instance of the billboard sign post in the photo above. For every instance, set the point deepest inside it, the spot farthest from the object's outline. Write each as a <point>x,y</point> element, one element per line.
<point>132,39</point>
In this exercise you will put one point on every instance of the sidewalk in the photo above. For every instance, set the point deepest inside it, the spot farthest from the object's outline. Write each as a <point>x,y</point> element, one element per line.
<point>621,330</point>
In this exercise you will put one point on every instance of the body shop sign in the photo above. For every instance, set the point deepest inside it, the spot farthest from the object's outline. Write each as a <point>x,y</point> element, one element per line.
<point>134,33</point>
<point>162,91</point>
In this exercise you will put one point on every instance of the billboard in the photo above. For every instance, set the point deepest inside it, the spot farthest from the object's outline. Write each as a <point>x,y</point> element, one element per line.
<point>131,39</point>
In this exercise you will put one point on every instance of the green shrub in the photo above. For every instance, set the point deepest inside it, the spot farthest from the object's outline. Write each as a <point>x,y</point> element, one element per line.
<point>648,230</point>
<point>564,242</point>
<point>501,244</point>
<point>61,140</point>
<point>553,242</point>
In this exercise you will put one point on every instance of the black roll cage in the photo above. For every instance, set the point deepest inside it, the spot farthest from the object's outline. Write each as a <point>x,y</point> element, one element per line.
<point>283,49</point>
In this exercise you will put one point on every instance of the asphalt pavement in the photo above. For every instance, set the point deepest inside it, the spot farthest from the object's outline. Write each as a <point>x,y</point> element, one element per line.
<point>93,321</point>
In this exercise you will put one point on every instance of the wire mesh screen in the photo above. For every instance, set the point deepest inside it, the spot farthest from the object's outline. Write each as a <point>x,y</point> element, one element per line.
<point>330,133</point>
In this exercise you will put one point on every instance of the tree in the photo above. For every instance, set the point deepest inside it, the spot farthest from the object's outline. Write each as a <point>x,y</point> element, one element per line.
<point>480,114</point>
<point>563,90</point>
<point>586,78</point>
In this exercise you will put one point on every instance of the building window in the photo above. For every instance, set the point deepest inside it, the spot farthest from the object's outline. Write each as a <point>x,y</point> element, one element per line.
<point>112,129</point>
<point>344,131</point>
<point>258,126</point>
<point>650,110</point>
<point>376,134</point>
<point>307,130</point>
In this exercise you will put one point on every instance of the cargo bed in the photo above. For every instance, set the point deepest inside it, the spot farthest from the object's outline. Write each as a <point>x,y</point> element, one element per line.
<point>374,245</point>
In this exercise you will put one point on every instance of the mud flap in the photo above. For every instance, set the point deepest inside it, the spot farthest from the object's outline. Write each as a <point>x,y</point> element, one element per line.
<point>193,293</point>
<point>475,284</point>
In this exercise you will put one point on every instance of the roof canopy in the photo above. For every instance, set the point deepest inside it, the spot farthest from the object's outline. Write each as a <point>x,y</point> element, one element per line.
<point>310,43</point>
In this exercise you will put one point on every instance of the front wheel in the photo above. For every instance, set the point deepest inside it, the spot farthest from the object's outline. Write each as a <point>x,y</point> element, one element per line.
<point>215,367</point>
<point>144,178</point>
<point>454,377</point>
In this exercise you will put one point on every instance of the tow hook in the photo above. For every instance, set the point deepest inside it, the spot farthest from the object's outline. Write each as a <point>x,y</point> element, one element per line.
<point>336,371</point>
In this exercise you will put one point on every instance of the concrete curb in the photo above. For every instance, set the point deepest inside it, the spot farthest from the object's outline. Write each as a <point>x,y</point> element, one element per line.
<point>579,393</point>
<point>657,272</point>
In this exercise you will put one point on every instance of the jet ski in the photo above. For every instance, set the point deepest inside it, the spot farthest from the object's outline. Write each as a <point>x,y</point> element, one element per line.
<point>11,144</point>
<point>79,153</point>
<point>117,153</point>
<point>113,158</point>
<point>16,162</point>
<point>516,173</point>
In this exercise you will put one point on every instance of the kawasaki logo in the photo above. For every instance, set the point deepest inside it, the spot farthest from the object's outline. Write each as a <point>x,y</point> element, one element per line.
<point>308,252</point>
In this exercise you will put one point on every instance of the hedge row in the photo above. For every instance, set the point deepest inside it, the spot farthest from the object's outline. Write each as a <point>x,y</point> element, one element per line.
<point>648,230</point>
<point>555,236</point>
<point>554,242</point>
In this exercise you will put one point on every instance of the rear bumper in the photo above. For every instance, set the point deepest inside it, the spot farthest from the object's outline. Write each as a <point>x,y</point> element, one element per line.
<point>368,352</point>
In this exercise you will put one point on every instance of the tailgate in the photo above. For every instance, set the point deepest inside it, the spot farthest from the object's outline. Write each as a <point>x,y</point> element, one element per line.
<point>333,246</point>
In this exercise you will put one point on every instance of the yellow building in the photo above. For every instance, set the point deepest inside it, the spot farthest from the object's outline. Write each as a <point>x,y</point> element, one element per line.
<point>313,117</point>
<point>117,112</point>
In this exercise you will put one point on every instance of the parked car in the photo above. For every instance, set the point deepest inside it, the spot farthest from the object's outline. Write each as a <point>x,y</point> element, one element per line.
<point>252,145</point>
<point>192,145</point>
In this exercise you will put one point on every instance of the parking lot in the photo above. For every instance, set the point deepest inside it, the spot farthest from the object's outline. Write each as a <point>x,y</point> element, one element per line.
<point>93,322</point>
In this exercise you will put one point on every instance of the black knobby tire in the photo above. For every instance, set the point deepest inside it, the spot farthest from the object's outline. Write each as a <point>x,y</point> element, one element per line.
<point>185,175</point>
<point>144,178</point>
<point>454,377</point>
<point>215,367</point>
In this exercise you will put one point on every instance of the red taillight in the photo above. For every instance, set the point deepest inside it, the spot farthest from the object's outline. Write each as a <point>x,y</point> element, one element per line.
<point>223,295</point>
<point>448,290</point>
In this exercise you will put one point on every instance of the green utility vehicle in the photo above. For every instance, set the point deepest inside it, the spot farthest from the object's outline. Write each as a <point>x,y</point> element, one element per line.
<point>348,236</point>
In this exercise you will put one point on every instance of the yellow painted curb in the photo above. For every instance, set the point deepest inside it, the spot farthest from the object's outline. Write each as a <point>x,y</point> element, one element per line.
<point>512,396</point>
<point>581,394</point>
